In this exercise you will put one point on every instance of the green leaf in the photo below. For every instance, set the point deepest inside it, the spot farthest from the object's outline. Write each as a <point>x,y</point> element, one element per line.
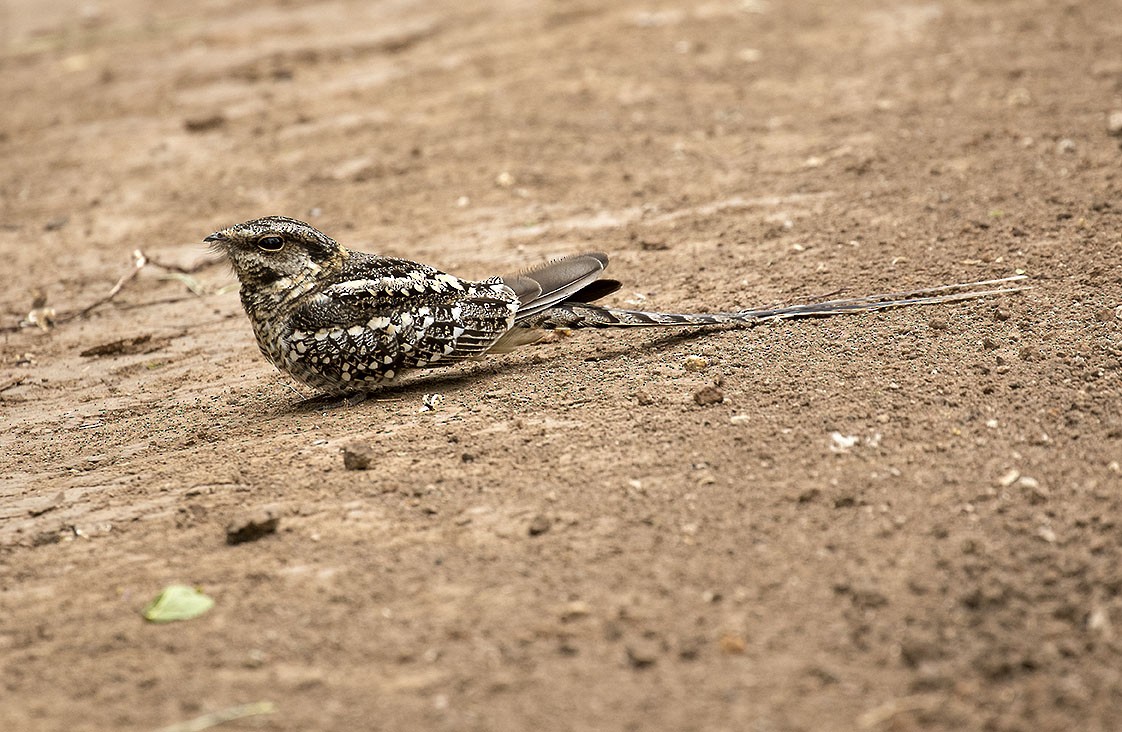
<point>177,602</point>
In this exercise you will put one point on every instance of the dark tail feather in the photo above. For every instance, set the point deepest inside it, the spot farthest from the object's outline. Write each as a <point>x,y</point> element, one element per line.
<point>579,315</point>
<point>542,288</point>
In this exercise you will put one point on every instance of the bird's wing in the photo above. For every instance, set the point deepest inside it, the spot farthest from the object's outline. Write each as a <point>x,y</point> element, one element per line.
<point>388,315</point>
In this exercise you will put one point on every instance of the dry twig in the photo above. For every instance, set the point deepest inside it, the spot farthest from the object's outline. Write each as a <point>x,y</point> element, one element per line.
<point>45,317</point>
<point>139,260</point>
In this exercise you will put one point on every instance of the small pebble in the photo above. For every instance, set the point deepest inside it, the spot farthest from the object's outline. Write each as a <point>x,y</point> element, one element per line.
<point>358,457</point>
<point>539,525</point>
<point>642,654</point>
<point>842,443</point>
<point>1065,146</point>
<point>696,363</point>
<point>1114,123</point>
<point>1037,493</point>
<point>938,324</point>
<point>1009,478</point>
<point>733,644</point>
<point>575,610</point>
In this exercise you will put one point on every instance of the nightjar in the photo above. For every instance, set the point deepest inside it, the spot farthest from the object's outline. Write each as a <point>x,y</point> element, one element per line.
<point>345,322</point>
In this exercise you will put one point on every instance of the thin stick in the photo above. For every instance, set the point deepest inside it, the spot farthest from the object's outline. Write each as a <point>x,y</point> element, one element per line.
<point>139,260</point>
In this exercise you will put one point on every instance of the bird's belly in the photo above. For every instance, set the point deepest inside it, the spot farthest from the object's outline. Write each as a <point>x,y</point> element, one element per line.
<point>318,363</point>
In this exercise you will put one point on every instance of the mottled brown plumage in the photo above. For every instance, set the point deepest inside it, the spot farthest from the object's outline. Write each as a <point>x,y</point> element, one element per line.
<point>345,322</point>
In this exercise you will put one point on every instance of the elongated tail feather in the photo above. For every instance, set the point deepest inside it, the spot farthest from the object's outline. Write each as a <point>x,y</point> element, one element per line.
<point>580,315</point>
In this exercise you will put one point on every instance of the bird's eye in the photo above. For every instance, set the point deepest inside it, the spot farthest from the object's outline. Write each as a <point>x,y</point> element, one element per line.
<point>270,243</point>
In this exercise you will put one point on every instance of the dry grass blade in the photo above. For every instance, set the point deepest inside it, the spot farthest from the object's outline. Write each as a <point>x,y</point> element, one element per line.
<point>222,716</point>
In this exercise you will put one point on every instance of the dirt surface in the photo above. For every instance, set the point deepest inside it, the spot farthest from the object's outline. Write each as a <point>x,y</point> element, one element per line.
<point>569,540</point>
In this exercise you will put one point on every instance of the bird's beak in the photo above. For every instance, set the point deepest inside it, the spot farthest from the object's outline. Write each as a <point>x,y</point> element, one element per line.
<point>215,238</point>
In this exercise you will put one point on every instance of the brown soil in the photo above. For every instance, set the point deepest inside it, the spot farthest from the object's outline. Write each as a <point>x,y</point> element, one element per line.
<point>569,540</point>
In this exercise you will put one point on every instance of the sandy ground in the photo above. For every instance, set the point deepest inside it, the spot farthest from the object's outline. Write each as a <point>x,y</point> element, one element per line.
<point>569,541</point>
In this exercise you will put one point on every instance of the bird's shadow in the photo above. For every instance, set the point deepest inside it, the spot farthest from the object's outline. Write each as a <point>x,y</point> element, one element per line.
<point>422,383</point>
<point>415,387</point>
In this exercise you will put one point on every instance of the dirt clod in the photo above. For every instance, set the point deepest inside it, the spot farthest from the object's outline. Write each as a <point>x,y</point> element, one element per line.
<point>360,457</point>
<point>708,395</point>
<point>252,526</point>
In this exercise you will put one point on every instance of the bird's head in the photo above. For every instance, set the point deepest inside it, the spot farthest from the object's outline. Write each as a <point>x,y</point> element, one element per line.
<point>266,250</point>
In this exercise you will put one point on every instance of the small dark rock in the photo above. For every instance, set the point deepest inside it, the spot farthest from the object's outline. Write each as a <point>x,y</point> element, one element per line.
<point>918,649</point>
<point>642,654</point>
<point>56,223</point>
<point>252,526</point>
<point>539,525</point>
<point>690,648</point>
<point>358,457</point>
<point>810,495</point>
<point>938,324</point>
<point>204,124</point>
<point>644,399</point>
<point>708,395</point>
<point>43,538</point>
<point>989,344</point>
<point>864,598</point>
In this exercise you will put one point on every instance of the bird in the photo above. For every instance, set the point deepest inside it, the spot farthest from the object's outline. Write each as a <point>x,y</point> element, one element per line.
<point>347,323</point>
